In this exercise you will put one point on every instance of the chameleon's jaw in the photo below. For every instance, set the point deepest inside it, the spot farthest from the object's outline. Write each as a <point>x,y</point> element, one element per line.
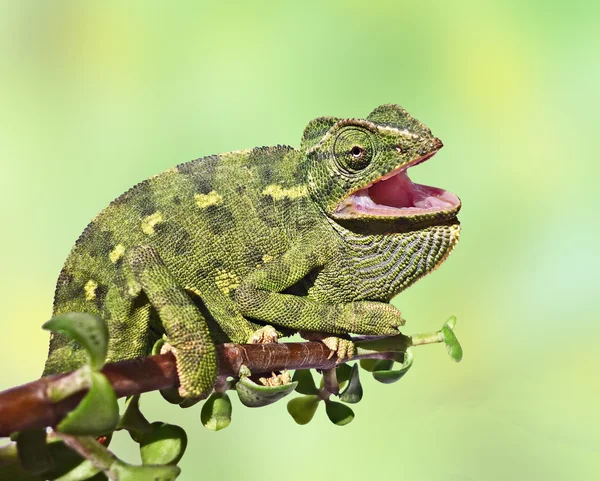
<point>394,195</point>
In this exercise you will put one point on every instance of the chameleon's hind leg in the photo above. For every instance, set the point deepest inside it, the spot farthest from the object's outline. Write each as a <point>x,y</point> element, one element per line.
<point>187,332</point>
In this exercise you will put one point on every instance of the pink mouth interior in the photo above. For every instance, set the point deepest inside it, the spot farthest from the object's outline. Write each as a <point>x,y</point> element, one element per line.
<point>397,196</point>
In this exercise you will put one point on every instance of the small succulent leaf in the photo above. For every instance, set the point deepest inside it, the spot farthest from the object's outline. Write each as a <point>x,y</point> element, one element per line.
<point>338,413</point>
<point>126,472</point>
<point>163,444</point>
<point>87,330</point>
<point>158,346</point>
<point>216,411</point>
<point>368,364</point>
<point>306,383</point>
<point>65,461</point>
<point>343,372</point>
<point>33,451</point>
<point>354,392</point>
<point>84,471</point>
<point>171,395</point>
<point>452,345</point>
<point>451,323</point>
<point>383,365</point>
<point>10,467</point>
<point>303,408</point>
<point>97,413</point>
<point>132,420</point>
<point>388,376</point>
<point>255,395</point>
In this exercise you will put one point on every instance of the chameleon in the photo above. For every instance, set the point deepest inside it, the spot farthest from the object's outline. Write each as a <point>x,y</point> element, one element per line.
<point>250,245</point>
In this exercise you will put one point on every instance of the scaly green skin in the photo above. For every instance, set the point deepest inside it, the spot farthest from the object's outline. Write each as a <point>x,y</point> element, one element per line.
<point>215,248</point>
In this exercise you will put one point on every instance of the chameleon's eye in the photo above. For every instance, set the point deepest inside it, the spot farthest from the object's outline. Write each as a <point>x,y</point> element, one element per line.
<point>357,152</point>
<point>353,149</point>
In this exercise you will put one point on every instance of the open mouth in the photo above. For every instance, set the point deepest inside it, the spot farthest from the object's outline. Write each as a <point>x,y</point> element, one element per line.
<point>395,195</point>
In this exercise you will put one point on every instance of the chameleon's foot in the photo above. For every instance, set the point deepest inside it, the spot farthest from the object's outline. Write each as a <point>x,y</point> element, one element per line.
<point>341,347</point>
<point>375,318</point>
<point>277,379</point>
<point>264,335</point>
<point>196,373</point>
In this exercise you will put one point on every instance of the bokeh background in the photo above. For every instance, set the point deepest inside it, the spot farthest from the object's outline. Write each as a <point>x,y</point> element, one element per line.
<point>96,96</point>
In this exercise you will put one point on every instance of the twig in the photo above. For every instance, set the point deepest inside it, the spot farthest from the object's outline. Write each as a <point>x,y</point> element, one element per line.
<point>30,406</point>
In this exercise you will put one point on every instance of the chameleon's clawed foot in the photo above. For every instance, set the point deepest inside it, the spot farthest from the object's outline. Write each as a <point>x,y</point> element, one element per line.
<point>264,335</point>
<point>192,385</point>
<point>165,348</point>
<point>341,347</point>
<point>280,379</point>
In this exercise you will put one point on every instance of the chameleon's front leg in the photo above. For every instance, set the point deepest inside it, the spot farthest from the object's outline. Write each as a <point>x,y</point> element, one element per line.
<point>186,329</point>
<point>259,296</point>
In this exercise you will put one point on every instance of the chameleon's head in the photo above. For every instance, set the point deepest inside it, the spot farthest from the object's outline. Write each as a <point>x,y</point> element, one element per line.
<point>356,170</point>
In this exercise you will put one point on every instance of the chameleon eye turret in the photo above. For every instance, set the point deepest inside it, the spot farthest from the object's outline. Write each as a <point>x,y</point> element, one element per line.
<point>353,149</point>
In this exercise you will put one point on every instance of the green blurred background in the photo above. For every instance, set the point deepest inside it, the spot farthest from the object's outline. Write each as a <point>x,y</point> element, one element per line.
<point>98,96</point>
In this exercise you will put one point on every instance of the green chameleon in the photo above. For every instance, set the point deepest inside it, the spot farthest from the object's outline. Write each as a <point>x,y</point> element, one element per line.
<point>316,240</point>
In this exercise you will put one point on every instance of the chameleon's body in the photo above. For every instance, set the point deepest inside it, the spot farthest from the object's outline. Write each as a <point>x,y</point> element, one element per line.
<point>216,248</point>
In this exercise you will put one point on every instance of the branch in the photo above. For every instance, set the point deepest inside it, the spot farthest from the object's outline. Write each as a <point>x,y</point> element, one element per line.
<point>30,406</point>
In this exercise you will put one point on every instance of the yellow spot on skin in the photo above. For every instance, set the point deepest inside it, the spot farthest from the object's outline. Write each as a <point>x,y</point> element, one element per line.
<point>267,258</point>
<point>148,223</point>
<point>206,200</point>
<point>194,291</point>
<point>116,253</point>
<point>90,290</point>
<point>226,281</point>
<point>278,192</point>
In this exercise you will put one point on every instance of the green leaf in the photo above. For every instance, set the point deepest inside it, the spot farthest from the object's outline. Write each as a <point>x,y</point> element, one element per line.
<point>171,395</point>
<point>384,374</point>
<point>306,383</point>
<point>452,345</point>
<point>87,330</point>
<point>97,413</point>
<point>83,471</point>
<point>127,472</point>
<point>216,411</point>
<point>343,372</point>
<point>33,450</point>
<point>338,413</point>
<point>158,346</point>
<point>354,392</point>
<point>164,444</point>
<point>68,465</point>
<point>255,395</point>
<point>10,467</point>
<point>303,408</point>
<point>383,365</point>
<point>132,420</point>
<point>368,364</point>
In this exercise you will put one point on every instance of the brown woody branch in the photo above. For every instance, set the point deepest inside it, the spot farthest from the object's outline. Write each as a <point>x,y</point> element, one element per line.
<point>29,406</point>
